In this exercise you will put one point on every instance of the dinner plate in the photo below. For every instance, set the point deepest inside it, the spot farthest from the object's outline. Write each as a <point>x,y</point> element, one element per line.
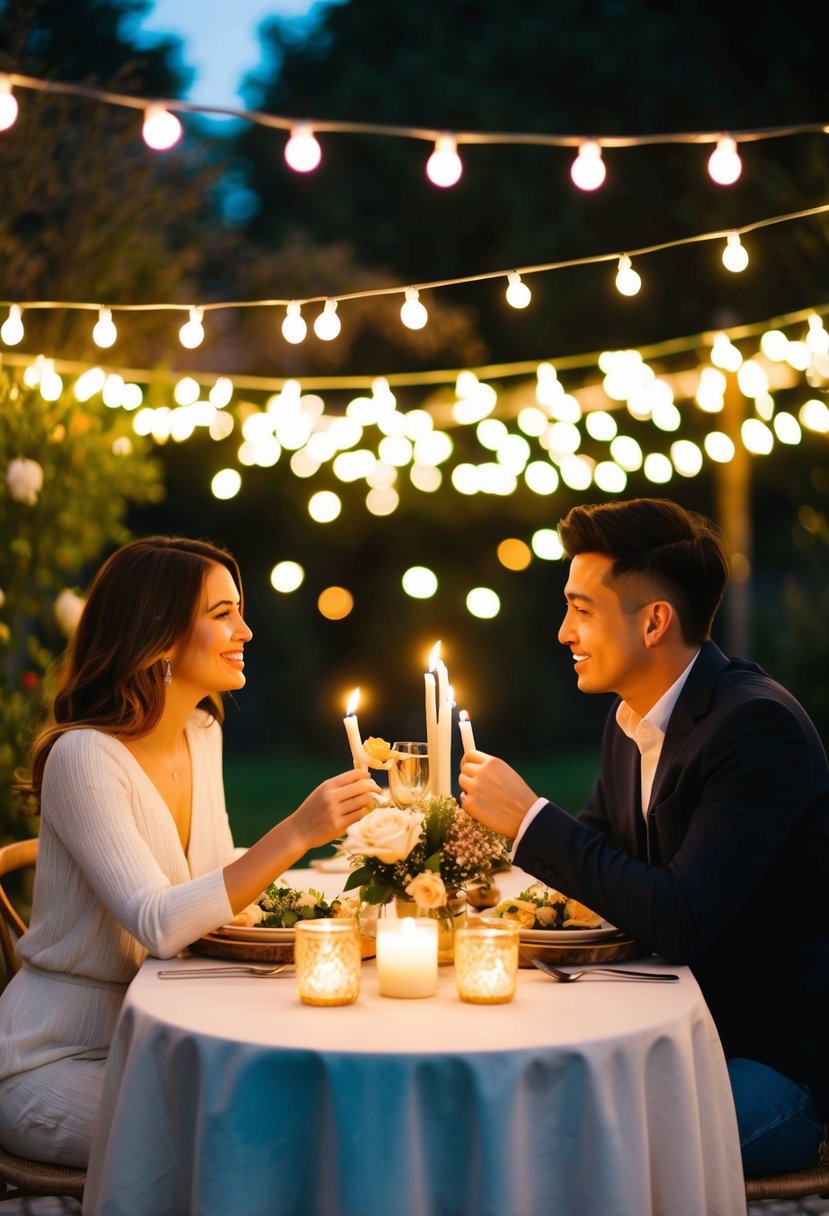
<point>560,937</point>
<point>253,933</point>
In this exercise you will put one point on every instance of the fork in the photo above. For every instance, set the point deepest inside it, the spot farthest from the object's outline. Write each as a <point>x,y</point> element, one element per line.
<point>202,973</point>
<point>568,977</point>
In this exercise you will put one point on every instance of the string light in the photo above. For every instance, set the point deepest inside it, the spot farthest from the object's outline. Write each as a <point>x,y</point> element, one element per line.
<point>413,314</point>
<point>444,167</point>
<point>8,103</point>
<point>588,170</point>
<point>724,164</point>
<point>735,255</point>
<point>328,325</point>
<point>294,328</point>
<point>191,333</point>
<point>104,333</point>
<point>518,293</point>
<point>11,331</point>
<point>628,281</point>
<point>161,130</point>
<point>302,151</point>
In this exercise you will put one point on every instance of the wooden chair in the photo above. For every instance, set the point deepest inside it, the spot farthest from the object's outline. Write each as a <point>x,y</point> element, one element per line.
<point>813,1181</point>
<point>18,1175</point>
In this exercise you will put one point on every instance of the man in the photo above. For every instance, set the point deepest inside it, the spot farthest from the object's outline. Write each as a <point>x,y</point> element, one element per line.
<point>706,835</point>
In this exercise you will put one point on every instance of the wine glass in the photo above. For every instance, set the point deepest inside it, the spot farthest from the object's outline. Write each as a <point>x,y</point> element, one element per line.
<point>409,773</point>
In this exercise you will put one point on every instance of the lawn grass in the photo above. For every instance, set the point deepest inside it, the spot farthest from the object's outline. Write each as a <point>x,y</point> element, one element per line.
<point>263,790</point>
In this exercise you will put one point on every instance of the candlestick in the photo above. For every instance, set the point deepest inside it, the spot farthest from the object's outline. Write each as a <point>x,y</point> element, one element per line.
<point>352,730</point>
<point>407,957</point>
<point>445,744</point>
<point>465,727</point>
<point>431,731</point>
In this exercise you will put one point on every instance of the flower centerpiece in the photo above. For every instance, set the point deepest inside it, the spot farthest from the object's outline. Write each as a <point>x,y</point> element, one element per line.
<point>425,856</point>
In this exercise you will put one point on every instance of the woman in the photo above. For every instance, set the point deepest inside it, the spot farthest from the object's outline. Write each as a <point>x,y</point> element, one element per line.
<point>135,853</point>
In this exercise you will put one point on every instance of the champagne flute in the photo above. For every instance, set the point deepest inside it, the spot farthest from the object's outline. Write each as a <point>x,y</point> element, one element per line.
<point>409,773</point>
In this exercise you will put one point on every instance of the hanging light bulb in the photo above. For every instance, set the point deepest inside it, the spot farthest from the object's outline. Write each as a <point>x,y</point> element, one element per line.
<point>413,314</point>
<point>444,167</point>
<point>724,164</point>
<point>294,328</point>
<point>104,333</point>
<point>11,331</point>
<point>161,129</point>
<point>327,325</point>
<point>734,256</point>
<point>518,293</point>
<point>628,281</point>
<point>588,170</point>
<point>302,151</point>
<point>191,333</point>
<point>8,103</point>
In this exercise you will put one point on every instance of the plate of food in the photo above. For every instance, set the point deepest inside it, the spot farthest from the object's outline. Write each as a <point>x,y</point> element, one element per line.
<point>254,933</point>
<point>604,932</point>
<point>548,916</point>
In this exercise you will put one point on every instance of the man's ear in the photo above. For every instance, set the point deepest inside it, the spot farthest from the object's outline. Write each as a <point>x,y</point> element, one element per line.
<point>660,616</point>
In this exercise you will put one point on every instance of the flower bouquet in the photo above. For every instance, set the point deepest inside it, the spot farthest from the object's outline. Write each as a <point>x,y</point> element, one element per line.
<point>425,853</point>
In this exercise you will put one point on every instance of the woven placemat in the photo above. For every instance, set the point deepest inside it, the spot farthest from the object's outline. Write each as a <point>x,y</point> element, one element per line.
<point>215,946</point>
<point>593,952</point>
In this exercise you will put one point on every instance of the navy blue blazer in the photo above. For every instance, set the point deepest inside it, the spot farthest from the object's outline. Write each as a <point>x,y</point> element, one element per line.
<point>729,872</point>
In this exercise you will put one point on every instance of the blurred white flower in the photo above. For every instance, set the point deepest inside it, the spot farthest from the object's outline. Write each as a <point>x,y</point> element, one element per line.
<point>25,480</point>
<point>68,609</point>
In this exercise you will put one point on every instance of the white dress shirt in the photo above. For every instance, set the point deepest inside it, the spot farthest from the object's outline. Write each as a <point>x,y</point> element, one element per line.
<point>647,732</point>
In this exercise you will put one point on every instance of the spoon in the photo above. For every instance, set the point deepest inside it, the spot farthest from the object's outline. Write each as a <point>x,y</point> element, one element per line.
<point>203,973</point>
<point>568,977</point>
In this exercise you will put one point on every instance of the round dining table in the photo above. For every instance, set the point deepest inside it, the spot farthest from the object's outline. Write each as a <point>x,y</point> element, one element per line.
<point>229,1095</point>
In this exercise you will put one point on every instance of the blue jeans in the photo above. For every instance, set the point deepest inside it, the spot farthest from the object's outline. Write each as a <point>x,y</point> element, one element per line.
<point>779,1124</point>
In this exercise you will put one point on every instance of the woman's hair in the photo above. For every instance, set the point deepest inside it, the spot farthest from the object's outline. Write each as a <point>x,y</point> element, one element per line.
<point>657,547</point>
<point>142,603</point>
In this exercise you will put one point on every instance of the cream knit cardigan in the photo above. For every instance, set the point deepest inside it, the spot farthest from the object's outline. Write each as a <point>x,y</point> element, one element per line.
<point>112,885</point>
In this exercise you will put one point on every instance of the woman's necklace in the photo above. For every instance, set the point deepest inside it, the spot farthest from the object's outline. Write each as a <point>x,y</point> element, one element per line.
<point>161,768</point>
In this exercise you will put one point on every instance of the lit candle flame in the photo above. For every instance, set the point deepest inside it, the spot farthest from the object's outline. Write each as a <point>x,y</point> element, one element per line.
<point>434,656</point>
<point>463,715</point>
<point>353,702</point>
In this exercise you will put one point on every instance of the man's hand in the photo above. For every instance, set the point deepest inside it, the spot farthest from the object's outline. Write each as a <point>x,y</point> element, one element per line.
<point>494,793</point>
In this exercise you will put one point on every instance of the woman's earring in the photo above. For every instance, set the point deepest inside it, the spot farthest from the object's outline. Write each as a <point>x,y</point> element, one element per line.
<point>168,672</point>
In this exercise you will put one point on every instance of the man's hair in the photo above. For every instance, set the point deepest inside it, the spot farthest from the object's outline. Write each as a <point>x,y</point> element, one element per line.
<point>659,549</point>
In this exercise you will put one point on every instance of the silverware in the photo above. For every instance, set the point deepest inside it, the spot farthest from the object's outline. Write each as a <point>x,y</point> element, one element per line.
<point>202,973</point>
<point>567,977</point>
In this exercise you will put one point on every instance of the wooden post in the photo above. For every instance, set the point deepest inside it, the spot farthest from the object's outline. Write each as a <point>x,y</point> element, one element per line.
<point>732,488</point>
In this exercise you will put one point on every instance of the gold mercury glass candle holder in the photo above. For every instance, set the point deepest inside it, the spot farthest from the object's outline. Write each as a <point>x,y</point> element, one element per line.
<point>327,957</point>
<point>486,964</point>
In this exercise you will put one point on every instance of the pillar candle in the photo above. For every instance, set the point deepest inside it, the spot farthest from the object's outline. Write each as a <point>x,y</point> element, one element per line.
<point>407,957</point>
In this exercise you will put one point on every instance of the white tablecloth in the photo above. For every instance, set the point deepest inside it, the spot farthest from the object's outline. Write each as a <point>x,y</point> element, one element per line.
<point>600,1098</point>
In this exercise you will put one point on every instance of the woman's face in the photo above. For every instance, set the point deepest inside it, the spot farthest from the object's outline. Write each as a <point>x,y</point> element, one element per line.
<point>213,658</point>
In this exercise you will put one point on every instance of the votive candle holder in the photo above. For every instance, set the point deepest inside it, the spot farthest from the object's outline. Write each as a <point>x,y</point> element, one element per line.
<point>328,957</point>
<point>486,964</point>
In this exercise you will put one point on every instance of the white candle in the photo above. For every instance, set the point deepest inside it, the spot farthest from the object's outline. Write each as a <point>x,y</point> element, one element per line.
<point>407,957</point>
<point>465,727</point>
<point>352,730</point>
<point>432,731</point>
<point>445,745</point>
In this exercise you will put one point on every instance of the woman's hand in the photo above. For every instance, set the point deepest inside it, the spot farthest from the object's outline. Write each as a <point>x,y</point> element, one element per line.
<point>334,805</point>
<point>324,815</point>
<point>494,793</point>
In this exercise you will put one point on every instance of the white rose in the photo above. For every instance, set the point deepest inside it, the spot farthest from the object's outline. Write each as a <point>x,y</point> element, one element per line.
<point>386,833</point>
<point>68,609</point>
<point>25,480</point>
<point>427,890</point>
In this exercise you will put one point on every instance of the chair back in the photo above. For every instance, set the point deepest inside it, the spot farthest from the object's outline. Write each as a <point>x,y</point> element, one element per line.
<point>15,856</point>
<point>796,1185</point>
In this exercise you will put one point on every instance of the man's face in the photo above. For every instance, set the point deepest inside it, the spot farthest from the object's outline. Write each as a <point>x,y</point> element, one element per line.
<point>606,640</point>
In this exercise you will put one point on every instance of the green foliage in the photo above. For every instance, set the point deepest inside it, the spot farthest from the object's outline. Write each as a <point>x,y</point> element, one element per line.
<point>92,467</point>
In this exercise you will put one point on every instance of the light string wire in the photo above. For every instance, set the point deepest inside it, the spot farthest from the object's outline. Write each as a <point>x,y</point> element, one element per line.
<point>538,268</point>
<point>448,376</point>
<point>431,134</point>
